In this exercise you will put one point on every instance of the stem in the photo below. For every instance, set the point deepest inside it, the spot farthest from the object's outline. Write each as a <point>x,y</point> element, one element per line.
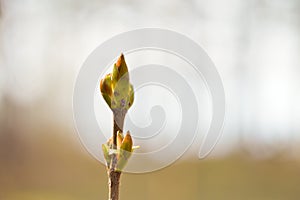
<point>119,116</point>
<point>116,129</point>
<point>113,175</point>
<point>113,183</point>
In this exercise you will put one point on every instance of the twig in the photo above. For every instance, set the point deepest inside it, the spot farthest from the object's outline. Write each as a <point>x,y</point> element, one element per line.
<point>114,175</point>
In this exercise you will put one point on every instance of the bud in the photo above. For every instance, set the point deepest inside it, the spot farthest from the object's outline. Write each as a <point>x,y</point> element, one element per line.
<point>105,85</point>
<point>119,139</point>
<point>106,89</point>
<point>124,152</point>
<point>127,143</point>
<point>116,88</point>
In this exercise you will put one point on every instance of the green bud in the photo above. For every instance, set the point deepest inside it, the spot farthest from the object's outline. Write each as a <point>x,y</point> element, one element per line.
<point>106,89</point>
<point>119,139</point>
<point>116,88</point>
<point>124,152</point>
<point>105,85</point>
<point>127,143</point>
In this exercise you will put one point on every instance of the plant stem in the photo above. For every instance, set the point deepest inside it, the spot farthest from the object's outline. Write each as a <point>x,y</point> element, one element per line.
<point>113,183</point>
<point>113,175</point>
<point>119,116</point>
<point>116,128</point>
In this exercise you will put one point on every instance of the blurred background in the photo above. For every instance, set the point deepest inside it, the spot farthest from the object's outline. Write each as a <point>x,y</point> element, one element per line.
<point>255,45</point>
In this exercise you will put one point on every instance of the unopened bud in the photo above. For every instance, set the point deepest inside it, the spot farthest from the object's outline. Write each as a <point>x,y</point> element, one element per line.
<point>105,85</point>
<point>106,88</point>
<point>127,143</point>
<point>119,139</point>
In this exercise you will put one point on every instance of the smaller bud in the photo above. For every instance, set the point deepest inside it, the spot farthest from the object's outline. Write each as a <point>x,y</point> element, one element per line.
<point>106,88</point>
<point>124,152</point>
<point>105,85</point>
<point>127,143</point>
<point>120,138</point>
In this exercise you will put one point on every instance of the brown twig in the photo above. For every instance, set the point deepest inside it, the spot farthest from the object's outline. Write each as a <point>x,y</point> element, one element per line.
<point>114,175</point>
<point>113,182</point>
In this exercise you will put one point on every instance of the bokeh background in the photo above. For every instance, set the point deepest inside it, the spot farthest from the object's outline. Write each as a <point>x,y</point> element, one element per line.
<point>255,45</point>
